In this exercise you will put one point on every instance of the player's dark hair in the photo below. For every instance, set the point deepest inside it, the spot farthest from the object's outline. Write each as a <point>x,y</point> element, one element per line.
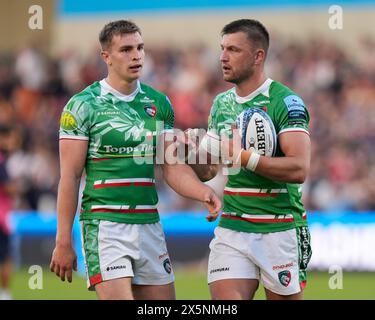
<point>255,31</point>
<point>115,28</point>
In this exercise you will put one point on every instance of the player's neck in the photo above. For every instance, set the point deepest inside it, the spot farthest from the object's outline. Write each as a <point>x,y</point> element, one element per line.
<point>121,85</point>
<point>245,88</point>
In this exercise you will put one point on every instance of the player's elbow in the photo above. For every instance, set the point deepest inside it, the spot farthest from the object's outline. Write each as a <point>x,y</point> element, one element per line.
<point>205,172</point>
<point>296,177</point>
<point>167,171</point>
<point>300,178</point>
<point>301,173</point>
<point>206,177</point>
<point>212,172</point>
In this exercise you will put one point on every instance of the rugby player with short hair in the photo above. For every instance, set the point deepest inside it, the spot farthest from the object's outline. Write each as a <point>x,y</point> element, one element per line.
<point>262,234</point>
<point>110,129</point>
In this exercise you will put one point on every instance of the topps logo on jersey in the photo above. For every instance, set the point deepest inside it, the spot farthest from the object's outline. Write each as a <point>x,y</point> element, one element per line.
<point>150,110</point>
<point>257,131</point>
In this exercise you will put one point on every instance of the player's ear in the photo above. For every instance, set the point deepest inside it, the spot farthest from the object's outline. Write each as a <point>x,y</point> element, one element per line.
<point>105,56</point>
<point>260,56</point>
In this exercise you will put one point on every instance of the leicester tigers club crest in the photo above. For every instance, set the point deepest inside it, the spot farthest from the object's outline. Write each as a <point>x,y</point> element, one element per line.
<point>285,277</point>
<point>150,110</point>
<point>167,265</point>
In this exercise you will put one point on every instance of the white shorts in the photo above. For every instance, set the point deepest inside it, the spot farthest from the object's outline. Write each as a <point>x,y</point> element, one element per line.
<point>115,250</point>
<point>278,259</point>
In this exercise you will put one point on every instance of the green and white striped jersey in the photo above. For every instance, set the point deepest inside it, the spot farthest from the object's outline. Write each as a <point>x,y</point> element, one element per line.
<point>121,132</point>
<point>253,203</point>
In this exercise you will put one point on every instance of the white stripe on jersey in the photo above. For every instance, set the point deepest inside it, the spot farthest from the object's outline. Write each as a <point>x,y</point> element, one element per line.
<point>293,129</point>
<point>262,216</point>
<point>66,136</point>
<point>131,180</point>
<point>253,190</point>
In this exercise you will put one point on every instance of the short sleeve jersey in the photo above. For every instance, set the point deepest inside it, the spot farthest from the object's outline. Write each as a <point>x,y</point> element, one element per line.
<point>121,132</point>
<point>253,203</point>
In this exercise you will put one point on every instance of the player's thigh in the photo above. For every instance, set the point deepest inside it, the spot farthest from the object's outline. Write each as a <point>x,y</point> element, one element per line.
<point>283,269</point>
<point>233,289</point>
<point>115,289</point>
<point>231,272</point>
<point>153,267</point>
<point>108,250</point>
<point>154,292</point>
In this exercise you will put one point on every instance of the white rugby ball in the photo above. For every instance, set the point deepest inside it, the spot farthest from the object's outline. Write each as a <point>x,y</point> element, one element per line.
<point>257,131</point>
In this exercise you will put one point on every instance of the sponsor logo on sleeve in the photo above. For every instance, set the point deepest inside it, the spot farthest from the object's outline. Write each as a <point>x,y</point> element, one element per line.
<point>296,107</point>
<point>68,121</point>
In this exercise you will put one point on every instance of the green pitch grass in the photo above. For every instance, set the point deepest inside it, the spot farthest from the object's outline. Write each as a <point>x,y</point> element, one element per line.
<point>192,285</point>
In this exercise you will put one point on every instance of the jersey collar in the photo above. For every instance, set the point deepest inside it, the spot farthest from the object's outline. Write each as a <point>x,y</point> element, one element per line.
<point>106,88</point>
<point>263,89</point>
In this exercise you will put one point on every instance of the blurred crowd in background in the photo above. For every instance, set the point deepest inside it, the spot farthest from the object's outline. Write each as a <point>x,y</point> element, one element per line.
<point>337,86</point>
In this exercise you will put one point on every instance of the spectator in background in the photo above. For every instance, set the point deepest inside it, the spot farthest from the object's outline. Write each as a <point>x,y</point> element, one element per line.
<point>7,190</point>
<point>31,72</point>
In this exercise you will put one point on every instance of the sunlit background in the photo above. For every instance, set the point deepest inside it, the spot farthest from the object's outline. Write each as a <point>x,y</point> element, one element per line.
<point>330,63</point>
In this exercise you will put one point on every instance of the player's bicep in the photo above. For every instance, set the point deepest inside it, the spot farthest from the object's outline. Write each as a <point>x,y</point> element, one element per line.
<point>296,144</point>
<point>72,157</point>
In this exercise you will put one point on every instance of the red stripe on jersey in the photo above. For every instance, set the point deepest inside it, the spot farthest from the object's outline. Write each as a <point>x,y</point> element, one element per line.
<point>227,216</point>
<point>144,184</point>
<point>124,184</point>
<point>102,159</point>
<point>126,210</point>
<point>95,279</point>
<point>250,194</point>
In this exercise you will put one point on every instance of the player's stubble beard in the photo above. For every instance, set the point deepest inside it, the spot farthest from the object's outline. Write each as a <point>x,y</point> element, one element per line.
<point>245,75</point>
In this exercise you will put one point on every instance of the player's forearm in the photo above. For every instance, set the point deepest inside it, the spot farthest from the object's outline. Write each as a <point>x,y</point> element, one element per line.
<point>286,169</point>
<point>182,179</point>
<point>67,200</point>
